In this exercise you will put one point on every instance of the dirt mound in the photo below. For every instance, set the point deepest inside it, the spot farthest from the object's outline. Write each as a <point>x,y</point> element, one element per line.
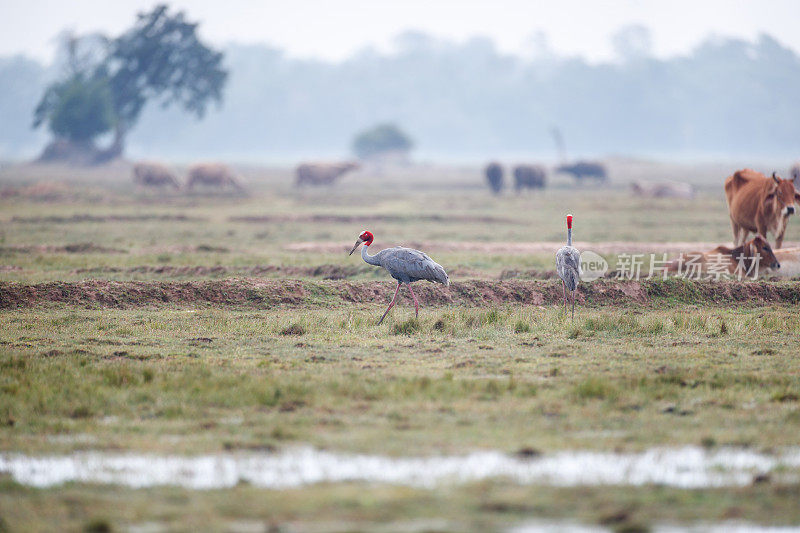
<point>107,218</point>
<point>326,271</point>
<point>267,293</point>
<point>369,219</point>
<point>531,273</point>
<point>100,293</point>
<point>74,248</point>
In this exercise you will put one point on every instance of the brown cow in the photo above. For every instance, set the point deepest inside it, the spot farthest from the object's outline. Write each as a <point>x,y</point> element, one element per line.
<point>749,259</point>
<point>790,262</point>
<point>322,173</point>
<point>154,175</point>
<point>759,204</point>
<point>212,175</point>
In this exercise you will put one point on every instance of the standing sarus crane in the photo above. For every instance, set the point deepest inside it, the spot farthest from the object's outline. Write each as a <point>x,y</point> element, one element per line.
<point>568,265</point>
<point>406,265</point>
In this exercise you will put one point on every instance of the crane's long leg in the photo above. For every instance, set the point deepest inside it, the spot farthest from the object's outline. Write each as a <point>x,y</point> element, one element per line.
<point>573,305</point>
<point>564,286</point>
<point>416,303</point>
<point>391,304</point>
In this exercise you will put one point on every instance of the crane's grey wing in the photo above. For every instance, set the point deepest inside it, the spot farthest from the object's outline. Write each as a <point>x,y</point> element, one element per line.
<point>413,265</point>
<point>568,265</point>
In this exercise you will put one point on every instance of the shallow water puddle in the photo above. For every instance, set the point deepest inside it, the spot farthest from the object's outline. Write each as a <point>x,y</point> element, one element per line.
<point>689,467</point>
<point>551,526</point>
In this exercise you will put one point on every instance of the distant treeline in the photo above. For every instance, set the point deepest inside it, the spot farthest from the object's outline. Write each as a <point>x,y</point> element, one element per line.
<point>728,97</point>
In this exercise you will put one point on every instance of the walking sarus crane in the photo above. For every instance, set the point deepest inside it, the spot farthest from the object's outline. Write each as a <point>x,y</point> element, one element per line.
<point>406,265</point>
<point>568,265</point>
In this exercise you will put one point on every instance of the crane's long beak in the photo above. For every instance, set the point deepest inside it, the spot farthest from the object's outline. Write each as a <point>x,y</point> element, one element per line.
<point>359,241</point>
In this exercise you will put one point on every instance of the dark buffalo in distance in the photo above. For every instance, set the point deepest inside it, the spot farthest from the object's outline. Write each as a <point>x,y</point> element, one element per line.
<point>529,177</point>
<point>794,173</point>
<point>582,170</point>
<point>214,175</point>
<point>494,176</point>
<point>316,174</point>
<point>154,175</point>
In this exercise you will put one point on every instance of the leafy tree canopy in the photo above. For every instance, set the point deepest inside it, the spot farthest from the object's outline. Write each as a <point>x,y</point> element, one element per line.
<point>159,58</point>
<point>381,139</point>
<point>78,109</point>
<point>162,57</point>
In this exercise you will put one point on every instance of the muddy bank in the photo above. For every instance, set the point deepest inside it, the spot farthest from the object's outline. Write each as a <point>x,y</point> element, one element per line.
<point>326,271</point>
<point>270,293</point>
<point>531,273</point>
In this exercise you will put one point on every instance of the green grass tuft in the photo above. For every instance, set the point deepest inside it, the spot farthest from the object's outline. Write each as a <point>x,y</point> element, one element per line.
<point>294,329</point>
<point>408,327</point>
<point>596,389</point>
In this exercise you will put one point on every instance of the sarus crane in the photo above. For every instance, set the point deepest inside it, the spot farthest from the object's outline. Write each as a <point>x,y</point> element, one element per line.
<point>568,265</point>
<point>406,265</point>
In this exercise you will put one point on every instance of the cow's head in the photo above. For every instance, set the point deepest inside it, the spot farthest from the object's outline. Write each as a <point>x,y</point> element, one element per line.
<point>783,196</point>
<point>760,248</point>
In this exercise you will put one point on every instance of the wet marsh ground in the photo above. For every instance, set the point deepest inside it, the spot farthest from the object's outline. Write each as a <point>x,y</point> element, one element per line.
<point>177,378</point>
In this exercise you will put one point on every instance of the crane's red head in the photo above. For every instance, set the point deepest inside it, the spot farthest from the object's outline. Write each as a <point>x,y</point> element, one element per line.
<point>365,237</point>
<point>569,221</point>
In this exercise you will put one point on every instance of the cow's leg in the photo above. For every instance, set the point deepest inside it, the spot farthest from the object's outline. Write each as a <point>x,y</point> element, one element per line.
<point>744,234</point>
<point>761,230</point>
<point>739,233</point>
<point>779,237</point>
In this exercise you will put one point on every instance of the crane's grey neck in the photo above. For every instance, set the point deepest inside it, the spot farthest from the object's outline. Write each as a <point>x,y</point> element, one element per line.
<point>569,236</point>
<point>371,259</point>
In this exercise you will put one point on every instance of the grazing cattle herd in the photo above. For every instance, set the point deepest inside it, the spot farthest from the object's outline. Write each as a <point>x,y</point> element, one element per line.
<point>526,176</point>
<point>213,175</point>
<point>756,204</point>
<point>218,176</point>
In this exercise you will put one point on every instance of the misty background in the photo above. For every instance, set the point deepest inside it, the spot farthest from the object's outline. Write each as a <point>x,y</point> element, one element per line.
<point>467,101</point>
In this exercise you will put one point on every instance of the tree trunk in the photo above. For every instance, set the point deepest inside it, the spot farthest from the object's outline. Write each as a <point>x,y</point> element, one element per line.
<point>61,150</point>
<point>117,146</point>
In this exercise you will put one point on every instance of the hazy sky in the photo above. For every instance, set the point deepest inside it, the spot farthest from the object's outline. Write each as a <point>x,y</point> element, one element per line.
<point>333,29</point>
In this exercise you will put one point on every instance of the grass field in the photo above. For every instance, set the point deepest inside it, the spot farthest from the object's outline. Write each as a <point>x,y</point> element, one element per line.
<point>288,363</point>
